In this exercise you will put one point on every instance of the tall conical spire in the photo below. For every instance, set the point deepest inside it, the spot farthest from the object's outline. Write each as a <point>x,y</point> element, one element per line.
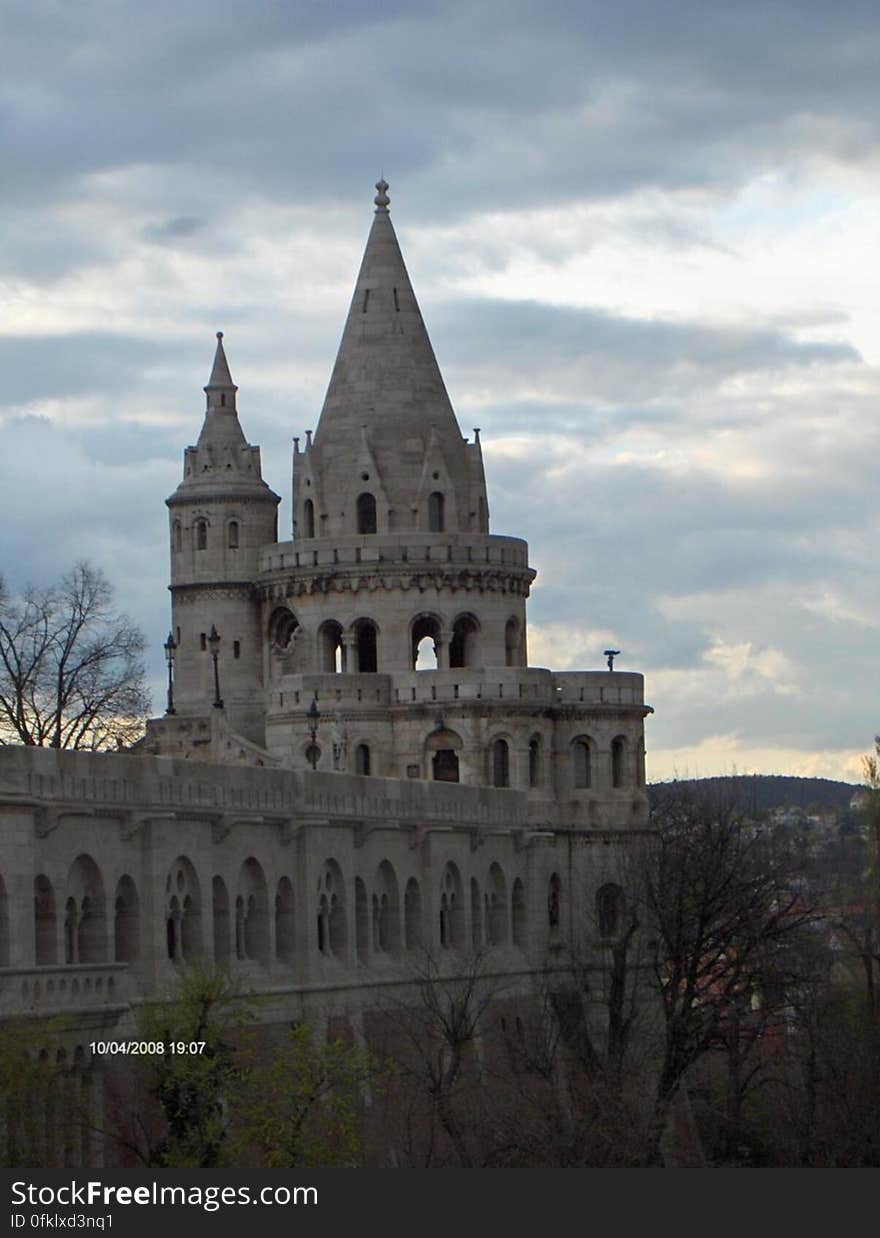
<point>386,385</point>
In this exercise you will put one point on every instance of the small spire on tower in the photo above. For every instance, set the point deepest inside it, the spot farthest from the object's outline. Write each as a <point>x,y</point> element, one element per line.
<point>220,381</point>
<point>381,199</point>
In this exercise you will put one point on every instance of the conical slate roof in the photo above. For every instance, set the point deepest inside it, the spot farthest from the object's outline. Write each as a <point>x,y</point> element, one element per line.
<point>386,387</point>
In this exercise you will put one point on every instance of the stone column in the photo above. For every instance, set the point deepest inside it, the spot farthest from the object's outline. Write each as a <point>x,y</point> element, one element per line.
<point>349,654</point>
<point>441,644</point>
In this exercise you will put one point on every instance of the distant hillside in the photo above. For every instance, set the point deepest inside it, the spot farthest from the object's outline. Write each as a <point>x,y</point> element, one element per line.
<point>764,792</point>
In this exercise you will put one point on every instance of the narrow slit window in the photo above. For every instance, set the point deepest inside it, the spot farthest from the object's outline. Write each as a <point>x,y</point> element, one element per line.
<point>203,641</point>
<point>396,302</point>
<point>366,300</point>
<point>236,648</point>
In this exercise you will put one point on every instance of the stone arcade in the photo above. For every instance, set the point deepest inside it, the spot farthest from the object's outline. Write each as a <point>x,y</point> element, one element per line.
<point>363,766</point>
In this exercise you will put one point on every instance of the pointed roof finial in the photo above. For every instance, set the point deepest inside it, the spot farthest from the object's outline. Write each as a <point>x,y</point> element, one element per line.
<point>220,376</point>
<point>381,199</point>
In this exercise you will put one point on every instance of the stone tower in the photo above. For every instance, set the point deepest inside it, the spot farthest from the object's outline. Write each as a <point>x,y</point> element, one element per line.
<point>392,570</point>
<point>220,515</point>
<point>378,654</point>
<point>388,638</point>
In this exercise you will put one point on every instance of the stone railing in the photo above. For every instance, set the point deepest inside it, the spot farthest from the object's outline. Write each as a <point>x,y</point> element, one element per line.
<point>599,687</point>
<point>507,684</point>
<point>59,988</point>
<point>417,550</point>
<point>55,785</point>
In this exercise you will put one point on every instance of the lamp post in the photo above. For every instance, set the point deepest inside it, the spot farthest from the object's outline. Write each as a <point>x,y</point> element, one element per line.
<point>214,643</point>
<point>170,649</point>
<point>313,751</point>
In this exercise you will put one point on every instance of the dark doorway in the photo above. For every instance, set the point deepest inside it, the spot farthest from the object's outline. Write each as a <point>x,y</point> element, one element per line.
<point>445,763</point>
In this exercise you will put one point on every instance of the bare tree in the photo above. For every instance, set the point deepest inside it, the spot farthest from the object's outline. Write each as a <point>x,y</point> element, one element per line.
<point>726,915</point>
<point>437,1029</point>
<point>71,668</point>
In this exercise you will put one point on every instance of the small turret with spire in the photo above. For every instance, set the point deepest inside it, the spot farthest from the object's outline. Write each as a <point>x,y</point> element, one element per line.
<point>220,515</point>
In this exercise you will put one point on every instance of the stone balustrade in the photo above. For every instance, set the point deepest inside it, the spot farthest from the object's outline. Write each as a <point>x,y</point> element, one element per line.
<point>416,550</point>
<point>508,684</point>
<point>61,987</point>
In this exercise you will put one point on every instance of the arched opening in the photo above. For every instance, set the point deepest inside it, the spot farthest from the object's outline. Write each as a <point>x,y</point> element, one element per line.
<point>330,647</point>
<point>512,652</point>
<point>426,655</point>
<point>412,907</point>
<point>609,909</point>
<point>518,909</point>
<point>500,763</point>
<point>581,764</point>
<point>191,929</point>
<point>172,929</point>
<point>332,927</point>
<point>442,748</point>
<point>425,635</point>
<point>308,518</point>
<point>232,535</point>
<point>284,923</point>
<point>283,626</point>
<point>451,909</point>
<point>220,910</point>
<point>239,928</point>
<point>126,922</point>
<point>535,761</point>
<point>366,513</point>
<point>71,942</point>
<point>201,535</point>
<point>45,925</point>
<point>85,888</point>
<point>254,900</point>
<point>361,920</point>
<point>362,760</point>
<point>365,644</point>
<point>618,754</point>
<point>387,917</point>
<point>444,765</point>
<point>476,916</point>
<point>496,907</point>
<point>463,646</point>
<point>436,512</point>
<point>554,905</point>
<point>183,902</point>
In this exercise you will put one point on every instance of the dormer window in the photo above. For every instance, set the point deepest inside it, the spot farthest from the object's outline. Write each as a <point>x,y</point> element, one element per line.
<point>366,513</point>
<point>436,512</point>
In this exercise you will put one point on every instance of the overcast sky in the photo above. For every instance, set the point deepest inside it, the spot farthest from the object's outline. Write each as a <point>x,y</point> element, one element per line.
<point>644,238</point>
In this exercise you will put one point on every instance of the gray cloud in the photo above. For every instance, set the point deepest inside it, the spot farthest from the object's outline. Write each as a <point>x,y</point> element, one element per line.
<point>664,500</point>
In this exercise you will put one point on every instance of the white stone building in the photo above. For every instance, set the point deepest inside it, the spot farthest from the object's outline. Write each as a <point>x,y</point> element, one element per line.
<point>385,645</point>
